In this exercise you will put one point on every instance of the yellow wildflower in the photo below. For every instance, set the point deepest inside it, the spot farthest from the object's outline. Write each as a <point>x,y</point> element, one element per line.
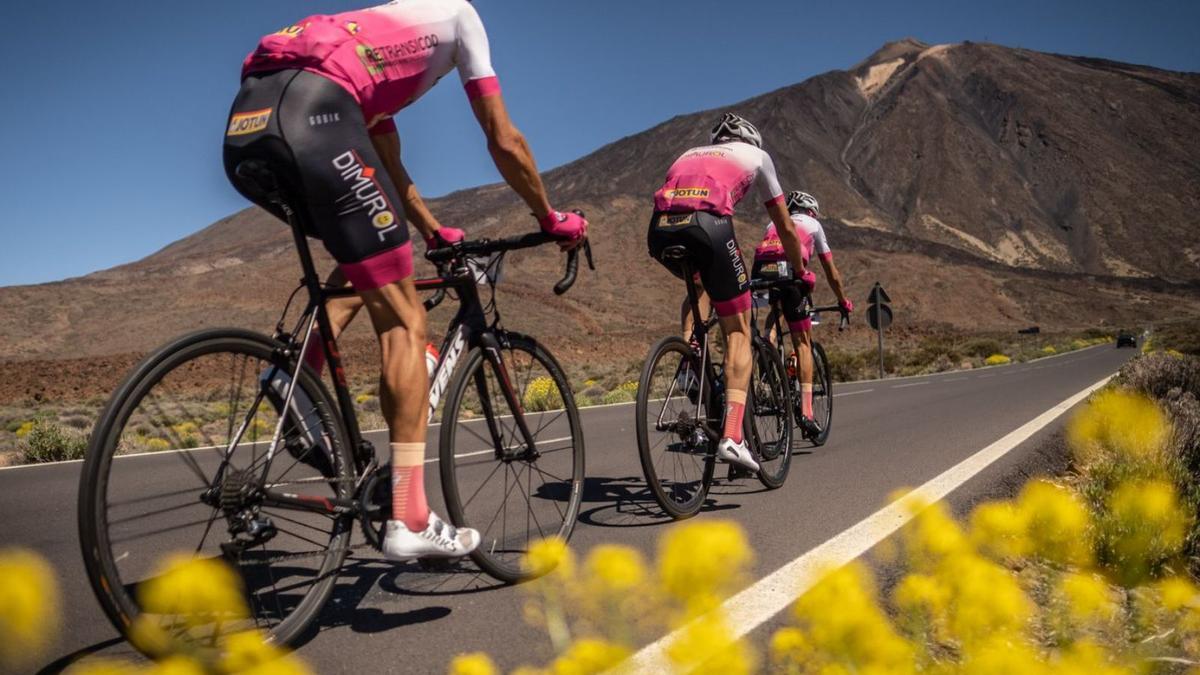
<point>843,621</point>
<point>698,561</point>
<point>1177,593</point>
<point>1049,349</point>
<point>1088,599</point>
<point>24,430</point>
<point>550,555</point>
<point>986,600</point>
<point>999,655</point>
<point>181,665</point>
<point>586,656</point>
<point>789,647</point>
<point>998,529</point>
<point>706,645</point>
<point>997,360</point>
<point>1124,422</point>
<point>477,663</point>
<point>1057,523</point>
<point>1145,527</point>
<point>249,653</point>
<point>198,591</point>
<point>29,601</point>
<point>932,534</point>
<point>615,569</point>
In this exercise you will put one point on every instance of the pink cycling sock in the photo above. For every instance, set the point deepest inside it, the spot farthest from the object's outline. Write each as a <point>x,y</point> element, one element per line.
<point>735,407</point>
<point>806,400</point>
<point>314,356</point>
<point>408,486</point>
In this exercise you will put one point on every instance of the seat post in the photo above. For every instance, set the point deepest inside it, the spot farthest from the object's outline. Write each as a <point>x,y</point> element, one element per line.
<point>693,295</point>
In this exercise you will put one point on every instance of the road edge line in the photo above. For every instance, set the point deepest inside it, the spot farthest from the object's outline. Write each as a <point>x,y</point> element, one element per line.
<point>762,600</point>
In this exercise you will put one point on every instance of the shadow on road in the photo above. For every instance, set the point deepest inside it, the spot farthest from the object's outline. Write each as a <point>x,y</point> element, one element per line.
<point>628,502</point>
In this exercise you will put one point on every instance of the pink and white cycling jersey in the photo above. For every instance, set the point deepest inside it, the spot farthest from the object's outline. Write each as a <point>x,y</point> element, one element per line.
<point>386,56</point>
<point>714,178</point>
<point>812,240</point>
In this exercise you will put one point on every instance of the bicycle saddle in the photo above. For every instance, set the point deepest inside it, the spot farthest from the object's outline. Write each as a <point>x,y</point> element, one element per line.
<point>258,175</point>
<point>676,253</point>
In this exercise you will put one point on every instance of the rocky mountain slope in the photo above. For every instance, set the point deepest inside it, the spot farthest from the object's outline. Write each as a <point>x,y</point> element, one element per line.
<point>986,187</point>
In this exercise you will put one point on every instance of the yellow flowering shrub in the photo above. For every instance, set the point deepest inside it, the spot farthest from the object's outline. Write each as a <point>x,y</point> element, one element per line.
<point>1049,349</point>
<point>997,360</point>
<point>542,394</point>
<point>23,430</point>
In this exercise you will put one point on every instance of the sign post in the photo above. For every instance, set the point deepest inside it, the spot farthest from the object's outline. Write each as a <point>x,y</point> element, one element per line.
<point>879,315</point>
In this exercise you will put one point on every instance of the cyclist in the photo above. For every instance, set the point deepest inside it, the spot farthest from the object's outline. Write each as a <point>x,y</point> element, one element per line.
<point>804,211</point>
<point>694,208</point>
<point>316,104</point>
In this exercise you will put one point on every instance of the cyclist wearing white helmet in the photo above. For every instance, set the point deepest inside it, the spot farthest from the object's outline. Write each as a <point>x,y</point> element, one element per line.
<point>694,208</point>
<point>804,211</point>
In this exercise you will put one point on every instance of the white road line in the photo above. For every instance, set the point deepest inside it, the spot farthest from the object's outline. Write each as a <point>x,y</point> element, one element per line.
<point>762,600</point>
<point>911,384</point>
<point>852,393</point>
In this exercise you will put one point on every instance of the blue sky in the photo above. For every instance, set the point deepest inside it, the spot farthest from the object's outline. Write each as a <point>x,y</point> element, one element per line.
<point>111,130</point>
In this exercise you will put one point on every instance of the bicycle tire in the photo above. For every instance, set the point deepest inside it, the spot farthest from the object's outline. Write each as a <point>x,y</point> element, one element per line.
<point>822,392</point>
<point>507,565</point>
<point>768,426</point>
<point>664,493</point>
<point>113,591</point>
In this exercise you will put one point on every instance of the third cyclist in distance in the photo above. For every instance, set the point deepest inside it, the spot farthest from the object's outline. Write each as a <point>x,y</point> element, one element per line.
<point>694,208</point>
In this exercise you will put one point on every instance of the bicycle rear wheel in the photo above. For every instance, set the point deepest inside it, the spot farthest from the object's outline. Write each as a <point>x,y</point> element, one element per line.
<point>769,426</point>
<point>492,479</point>
<point>178,464</point>
<point>677,458</point>
<point>822,393</point>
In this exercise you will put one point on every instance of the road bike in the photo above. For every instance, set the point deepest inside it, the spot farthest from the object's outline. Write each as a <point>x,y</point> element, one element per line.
<point>680,410</point>
<point>779,334</point>
<point>224,444</point>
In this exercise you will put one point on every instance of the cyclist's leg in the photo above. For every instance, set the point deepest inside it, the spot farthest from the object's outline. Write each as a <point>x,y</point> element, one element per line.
<point>726,279</point>
<point>685,308</point>
<point>800,326</point>
<point>341,311</point>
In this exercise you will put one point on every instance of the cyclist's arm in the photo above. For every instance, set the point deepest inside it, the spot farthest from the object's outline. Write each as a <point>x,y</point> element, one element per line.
<point>387,144</point>
<point>511,153</point>
<point>833,276</point>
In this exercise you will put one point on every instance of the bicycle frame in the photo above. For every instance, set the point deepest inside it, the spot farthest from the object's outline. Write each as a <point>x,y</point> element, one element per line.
<point>468,329</point>
<point>700,330</point>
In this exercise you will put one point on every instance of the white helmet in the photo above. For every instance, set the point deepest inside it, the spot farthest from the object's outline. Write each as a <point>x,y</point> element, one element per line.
<point>734,128</point>
<point>798,200</point>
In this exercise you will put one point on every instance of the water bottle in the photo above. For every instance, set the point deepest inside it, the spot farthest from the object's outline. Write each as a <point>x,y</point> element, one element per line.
<point>431,358</point>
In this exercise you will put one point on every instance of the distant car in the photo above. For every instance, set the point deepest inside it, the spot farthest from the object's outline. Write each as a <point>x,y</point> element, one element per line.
<point>1126,340</point>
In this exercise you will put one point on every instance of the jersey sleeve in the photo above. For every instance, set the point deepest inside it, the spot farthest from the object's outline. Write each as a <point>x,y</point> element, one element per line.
<point>768,181</point>
<point>820,244</point>
<point>474,58</point>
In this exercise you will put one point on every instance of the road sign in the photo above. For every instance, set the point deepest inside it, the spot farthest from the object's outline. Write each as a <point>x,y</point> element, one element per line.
<point>879,316</point>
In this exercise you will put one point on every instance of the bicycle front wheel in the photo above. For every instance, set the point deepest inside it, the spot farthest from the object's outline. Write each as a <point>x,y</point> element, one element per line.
<point>822,393</point>
<point>179,464</point>
<point>769,426</point>
<point>673,402</point>
<point>514,487</point>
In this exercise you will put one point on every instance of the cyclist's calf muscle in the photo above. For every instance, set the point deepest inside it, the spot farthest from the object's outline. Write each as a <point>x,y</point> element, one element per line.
<point>399,319</point>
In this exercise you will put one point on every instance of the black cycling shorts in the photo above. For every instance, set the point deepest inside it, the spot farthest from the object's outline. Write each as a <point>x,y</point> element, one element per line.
<point>312,135</point>
<point>714,255</point>
<point>789,297</point>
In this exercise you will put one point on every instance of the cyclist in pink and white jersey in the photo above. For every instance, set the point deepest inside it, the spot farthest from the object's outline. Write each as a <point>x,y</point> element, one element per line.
<point>694,209</point>
<point>804,212</point>
<point>315,105</point>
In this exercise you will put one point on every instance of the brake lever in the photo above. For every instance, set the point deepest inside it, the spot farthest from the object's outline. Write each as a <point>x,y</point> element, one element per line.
<point>587,251</point>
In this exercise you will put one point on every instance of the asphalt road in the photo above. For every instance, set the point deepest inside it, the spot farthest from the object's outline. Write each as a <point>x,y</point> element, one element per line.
<point>886,435</point>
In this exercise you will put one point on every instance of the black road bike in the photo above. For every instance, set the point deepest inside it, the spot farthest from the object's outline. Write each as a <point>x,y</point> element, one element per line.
<point>680,411</point>
<point>223,444</point>
<point>779,334</point>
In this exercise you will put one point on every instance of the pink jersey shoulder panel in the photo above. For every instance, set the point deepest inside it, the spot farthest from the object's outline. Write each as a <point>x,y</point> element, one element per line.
<point>711,178</point>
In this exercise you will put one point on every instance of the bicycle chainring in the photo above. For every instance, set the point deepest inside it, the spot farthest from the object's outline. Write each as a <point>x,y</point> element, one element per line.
<point>375,505</point>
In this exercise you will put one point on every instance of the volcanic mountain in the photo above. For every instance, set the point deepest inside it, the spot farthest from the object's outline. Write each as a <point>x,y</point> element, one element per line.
<point>986,187</point>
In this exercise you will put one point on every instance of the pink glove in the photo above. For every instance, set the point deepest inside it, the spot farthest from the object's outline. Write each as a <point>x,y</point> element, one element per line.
<point>809,278</point>
<point>847,305</point>
<point>566,226</point>
<point>444,237</point>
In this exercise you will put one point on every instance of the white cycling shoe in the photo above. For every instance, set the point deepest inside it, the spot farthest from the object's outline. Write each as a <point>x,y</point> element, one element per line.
<point>736,453</point>
<point>438,540</point>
